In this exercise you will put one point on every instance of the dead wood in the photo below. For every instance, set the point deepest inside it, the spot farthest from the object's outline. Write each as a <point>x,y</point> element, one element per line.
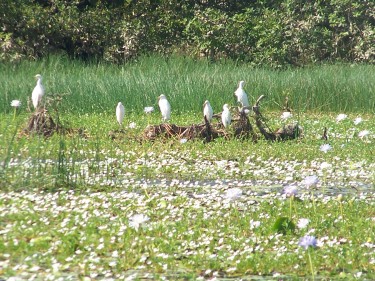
<point>287,132</point>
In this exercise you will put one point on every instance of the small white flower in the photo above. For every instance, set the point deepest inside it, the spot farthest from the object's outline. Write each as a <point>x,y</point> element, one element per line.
<point>148,109</point>
<point>132,125</point>
<point>15,103</point>
<point>325,147</point>
<point>137,220</point>
<point>302,223</point>
<point>233,193</point>
<point>310,181</point>
<point>254,224</point>
<point>112,263</point>
<point>357,120</point>
<point>286,115</point>
<point>183,140</point>
<point>363,133</point>
<point>325,165</point>
<point>341,117</point>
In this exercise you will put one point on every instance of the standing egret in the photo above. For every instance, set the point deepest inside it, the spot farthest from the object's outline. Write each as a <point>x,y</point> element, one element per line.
<point>207,111</point>
<point>38,91</point>
<point>241,95</point>
<point>120,113</point>
<point>226,117</point>
<point>165,108</point>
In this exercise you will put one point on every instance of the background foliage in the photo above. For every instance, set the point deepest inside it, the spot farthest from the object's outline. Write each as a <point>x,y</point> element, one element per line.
<point>273,33</point>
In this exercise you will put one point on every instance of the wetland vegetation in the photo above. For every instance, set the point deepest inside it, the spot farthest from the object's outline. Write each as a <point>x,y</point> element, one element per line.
<point>82,206</point>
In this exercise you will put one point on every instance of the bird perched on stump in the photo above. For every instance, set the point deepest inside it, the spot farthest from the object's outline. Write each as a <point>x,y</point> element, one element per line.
<point>120,113</point>
<point>241,95</point>
<point>165,108</point>
<point>207,111</point>
<point>38,91</point>
<point>226,117</point>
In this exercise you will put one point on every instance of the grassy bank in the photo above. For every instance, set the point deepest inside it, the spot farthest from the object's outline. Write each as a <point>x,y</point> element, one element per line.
<point>97,88</point>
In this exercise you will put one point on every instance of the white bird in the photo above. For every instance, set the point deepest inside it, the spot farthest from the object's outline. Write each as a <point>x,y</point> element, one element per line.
<point>207,111</point>
<point>226,117</point>
<point>165,108</point>
<point>120,113</point>
<point>38,91</point>
<point>241,95</point>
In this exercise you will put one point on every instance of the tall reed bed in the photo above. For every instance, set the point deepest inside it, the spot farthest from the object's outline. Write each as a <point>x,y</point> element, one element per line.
<point>187,83</point>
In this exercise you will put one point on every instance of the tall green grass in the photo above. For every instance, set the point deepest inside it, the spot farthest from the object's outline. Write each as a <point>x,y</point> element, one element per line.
<point>187,83</point>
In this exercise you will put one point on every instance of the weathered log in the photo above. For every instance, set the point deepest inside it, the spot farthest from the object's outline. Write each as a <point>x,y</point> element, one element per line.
<point>287,132</point>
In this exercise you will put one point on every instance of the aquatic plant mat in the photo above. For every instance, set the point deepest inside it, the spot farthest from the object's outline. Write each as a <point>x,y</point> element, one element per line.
<point>184,207</point>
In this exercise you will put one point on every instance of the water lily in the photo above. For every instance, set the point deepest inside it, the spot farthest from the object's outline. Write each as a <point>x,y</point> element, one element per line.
<point>15,103</point>
<point>233,193</point>
<point>137,220</point>
<point>290,190</point>
<point>325,165</point>
<point>363,133</point>
<point>148,109</point>
<point>357,120</point>
<point>325,147</point>
<point>310,181</point>
<point>302,223</point>
<point>307,241</point>
<point>254,224</point>
<point>341,117</point>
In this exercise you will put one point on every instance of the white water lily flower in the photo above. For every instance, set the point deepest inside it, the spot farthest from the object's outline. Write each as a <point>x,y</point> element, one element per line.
<point>357,120</point>
<point>137,220</point>
<point>302,223</point>
<point>325,165</point>
<point>363,133</point>
<point>233,193</point>
<point>254,224</point>
<point>15,103</point>
<point>286,115</point>
<point>341,117</point>
<point>325,147</point>
<point>310,181</point>
<point>148,109</point>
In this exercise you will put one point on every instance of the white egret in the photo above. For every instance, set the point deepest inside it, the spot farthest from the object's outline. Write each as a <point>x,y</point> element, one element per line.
<point>38,91</point>
<point>120,113</point>
<point>226,117</point>
<point>241,95</point>
<point>207,111</point>
<point>165,108</point>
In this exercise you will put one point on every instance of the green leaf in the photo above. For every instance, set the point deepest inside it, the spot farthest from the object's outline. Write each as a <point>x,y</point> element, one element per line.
<point>284,225</point>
